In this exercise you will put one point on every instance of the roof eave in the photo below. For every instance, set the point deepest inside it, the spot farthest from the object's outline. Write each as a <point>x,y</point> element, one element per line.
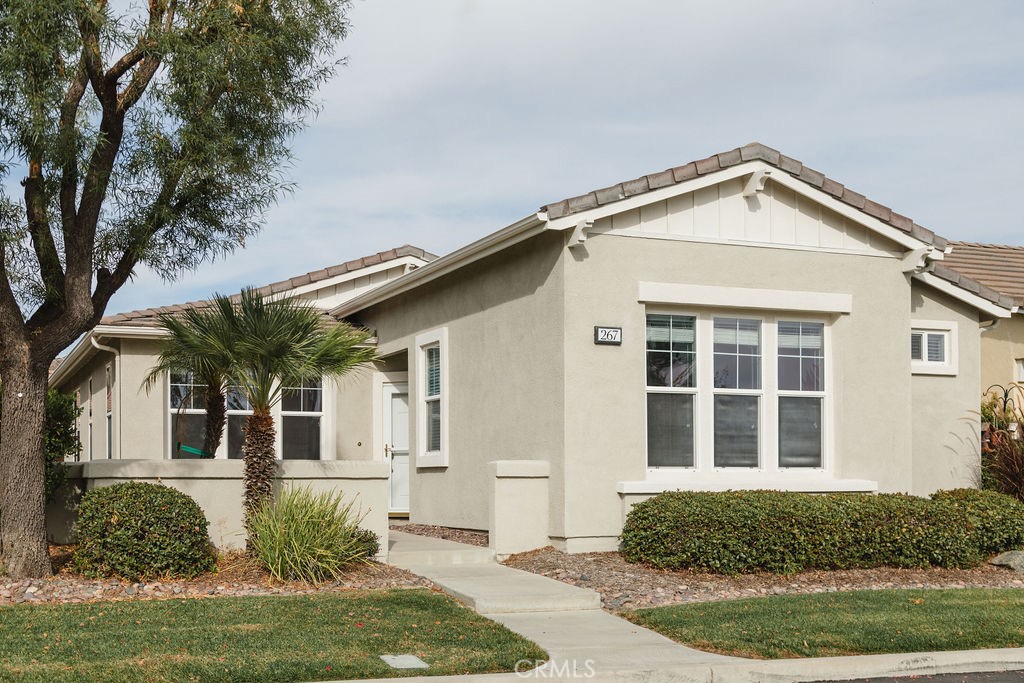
<point>84,349</point>
<point>512,234</point>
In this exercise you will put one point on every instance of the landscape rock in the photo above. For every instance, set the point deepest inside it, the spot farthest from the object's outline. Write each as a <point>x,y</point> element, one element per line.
<point>1014,559</point>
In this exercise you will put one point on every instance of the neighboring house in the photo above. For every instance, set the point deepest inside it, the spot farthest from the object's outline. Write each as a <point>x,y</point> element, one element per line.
<point>120,420</point>
<point>741,321</point>
<point>1000,267</point>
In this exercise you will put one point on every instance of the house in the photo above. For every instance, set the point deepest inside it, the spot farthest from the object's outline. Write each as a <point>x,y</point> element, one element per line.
<point>1001,268</point>
<point>741,321</point>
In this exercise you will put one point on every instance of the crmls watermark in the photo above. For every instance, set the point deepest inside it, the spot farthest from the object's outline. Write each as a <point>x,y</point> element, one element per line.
<point>532,668</point>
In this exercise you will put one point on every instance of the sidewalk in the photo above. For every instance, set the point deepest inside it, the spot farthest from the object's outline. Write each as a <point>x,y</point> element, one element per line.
<point>585,642</point>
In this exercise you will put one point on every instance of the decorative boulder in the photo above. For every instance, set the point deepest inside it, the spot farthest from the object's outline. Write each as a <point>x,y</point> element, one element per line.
<point>1014,559</point>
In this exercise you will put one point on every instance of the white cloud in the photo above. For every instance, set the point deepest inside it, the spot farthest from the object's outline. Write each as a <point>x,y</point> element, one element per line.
<point>454,118</point>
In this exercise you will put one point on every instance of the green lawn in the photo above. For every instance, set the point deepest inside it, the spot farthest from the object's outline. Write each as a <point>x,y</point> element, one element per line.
<point>854,623</point>
<point>285,638</point>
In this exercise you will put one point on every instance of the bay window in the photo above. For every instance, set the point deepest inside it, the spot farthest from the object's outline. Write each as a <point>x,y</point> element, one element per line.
<point>735,392</point>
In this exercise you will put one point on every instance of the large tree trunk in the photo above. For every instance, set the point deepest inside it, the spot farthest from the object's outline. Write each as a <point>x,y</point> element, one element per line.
<point>23,549</point>
<point>260,465</point>
<point>215,417</point>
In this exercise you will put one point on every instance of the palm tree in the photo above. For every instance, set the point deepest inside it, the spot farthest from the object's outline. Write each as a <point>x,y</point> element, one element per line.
<point>199,342</point>
<point>276,344</point>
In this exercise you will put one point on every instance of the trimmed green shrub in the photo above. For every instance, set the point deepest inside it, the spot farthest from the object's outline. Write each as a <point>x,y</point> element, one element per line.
<point>138,530</point>
<point>996,519</point>
<point>307,536</point>
<point>748,531</point>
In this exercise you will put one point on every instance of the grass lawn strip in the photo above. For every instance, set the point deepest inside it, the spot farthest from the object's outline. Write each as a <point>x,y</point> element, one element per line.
<point>852,623</point>
<point>328,636</point>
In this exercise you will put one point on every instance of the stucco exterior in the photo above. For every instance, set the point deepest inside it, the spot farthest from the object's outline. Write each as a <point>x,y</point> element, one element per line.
<point>1001,348</point>
<point>496,345</point>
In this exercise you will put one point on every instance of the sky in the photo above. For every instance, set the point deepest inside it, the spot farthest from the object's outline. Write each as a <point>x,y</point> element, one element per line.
<point>454,118</point>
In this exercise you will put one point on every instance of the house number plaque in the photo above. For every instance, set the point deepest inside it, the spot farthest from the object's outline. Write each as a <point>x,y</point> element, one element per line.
<point>608,335</point>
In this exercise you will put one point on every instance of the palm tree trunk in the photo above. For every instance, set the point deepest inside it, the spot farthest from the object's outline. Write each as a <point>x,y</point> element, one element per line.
<point>214,418</point>
<point>260,464</point>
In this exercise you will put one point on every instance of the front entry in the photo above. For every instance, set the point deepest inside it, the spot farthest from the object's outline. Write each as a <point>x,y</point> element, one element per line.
<point>396,445</point>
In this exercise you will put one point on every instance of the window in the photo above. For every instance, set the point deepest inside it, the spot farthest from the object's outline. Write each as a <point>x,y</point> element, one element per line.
<point>801,393</point>
<point>110,415</point>
<point>671,386</point>
<point>432,382</point>
<point>238,412</point>
<point>301,410</point>
<point>90,419</point>
<point>1020,371</point>
<point>727,392</point>
<point>188,415</point>
<point>933,348</point>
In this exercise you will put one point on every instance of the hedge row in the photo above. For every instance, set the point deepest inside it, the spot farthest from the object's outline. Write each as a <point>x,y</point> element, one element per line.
<point>746,531</point>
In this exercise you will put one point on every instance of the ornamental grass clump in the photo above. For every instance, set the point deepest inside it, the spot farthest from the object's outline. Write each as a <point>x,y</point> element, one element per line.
<point>138,530</point>
<point>307,536</point>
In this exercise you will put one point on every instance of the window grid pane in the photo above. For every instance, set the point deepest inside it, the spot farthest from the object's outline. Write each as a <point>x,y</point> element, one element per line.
<point>433,425</point>
<point>916,345</point>
<point>433,363</point>
<point>737,353</point>
<point>936,347</point>
<point>801,356</point>
<point>671,351</point>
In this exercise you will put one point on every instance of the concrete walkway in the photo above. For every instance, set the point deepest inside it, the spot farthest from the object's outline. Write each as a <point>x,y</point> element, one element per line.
<point>566,621</point>
<point>584,642</point>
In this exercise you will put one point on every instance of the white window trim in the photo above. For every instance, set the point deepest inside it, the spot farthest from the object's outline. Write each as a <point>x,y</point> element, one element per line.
<point>950,367</point>
<point>438,338</point>
<point>703,421</point>
<point>327,441</point>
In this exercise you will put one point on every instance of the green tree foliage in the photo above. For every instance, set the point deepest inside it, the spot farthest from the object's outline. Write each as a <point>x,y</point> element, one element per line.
<point>146,135</point>
<point>62,440</point>
<point>199,341</point>
<point>263,345</point>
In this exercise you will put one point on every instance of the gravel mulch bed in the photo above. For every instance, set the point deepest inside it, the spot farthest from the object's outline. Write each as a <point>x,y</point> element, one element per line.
<point>625,586</point>
<point>236,575</point>
<point>467,536</point>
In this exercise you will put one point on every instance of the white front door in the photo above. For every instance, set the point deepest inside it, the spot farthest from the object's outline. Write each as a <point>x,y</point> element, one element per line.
<point>396,444</point>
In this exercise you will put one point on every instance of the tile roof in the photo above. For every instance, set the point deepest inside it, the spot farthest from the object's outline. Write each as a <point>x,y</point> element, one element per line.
<point>150,317</point>
<point>997,266</point>
<point>755,151</point>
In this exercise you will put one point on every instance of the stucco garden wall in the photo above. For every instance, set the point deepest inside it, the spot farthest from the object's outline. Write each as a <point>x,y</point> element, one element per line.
<point>217,487</point>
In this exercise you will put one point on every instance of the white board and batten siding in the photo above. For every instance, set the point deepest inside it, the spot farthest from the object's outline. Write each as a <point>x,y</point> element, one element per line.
<point>336,294</point>
<point>776,216</point>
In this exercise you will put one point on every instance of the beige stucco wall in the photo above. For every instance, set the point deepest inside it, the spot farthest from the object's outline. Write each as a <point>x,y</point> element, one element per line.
<point>216,485</point>
<point>504,319</point>
<point>605,415</point>
<point>946,445</point>
<point>1000,349</point>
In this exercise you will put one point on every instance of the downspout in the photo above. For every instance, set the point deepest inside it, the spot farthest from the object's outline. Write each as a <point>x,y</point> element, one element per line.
<point>116,387</point>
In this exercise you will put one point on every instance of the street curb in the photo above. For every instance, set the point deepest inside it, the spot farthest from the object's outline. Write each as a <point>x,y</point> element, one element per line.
<point>764,671</point>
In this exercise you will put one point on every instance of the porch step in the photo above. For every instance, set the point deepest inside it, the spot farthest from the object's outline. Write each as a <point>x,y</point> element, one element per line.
<point>496,589</point>
<point>409,550</point>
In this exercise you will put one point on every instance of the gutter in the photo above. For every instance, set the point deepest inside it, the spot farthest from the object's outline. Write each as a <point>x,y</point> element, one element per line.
<point>115,387</point>
<point>84,348</point>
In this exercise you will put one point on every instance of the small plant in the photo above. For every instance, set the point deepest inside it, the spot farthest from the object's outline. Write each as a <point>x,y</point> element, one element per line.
<point>138,530</point>
<point>307,536</point>
<point>1002,449</point>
